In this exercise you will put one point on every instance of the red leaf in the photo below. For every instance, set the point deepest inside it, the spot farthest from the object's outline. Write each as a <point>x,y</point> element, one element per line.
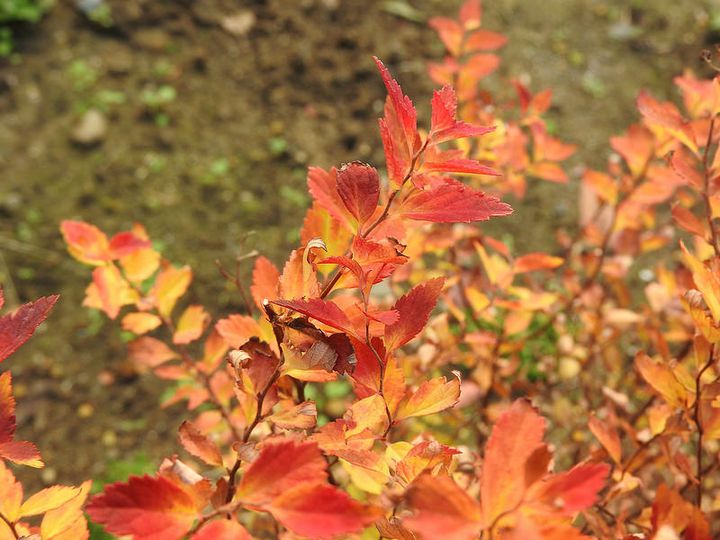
<point>358,185</point>
<point>442,509</point>
<point>398,128</point>
<point>574,490</point>
<point>414,309</point>
<point>325,311</point>
<point>147,507</point>
<point>22,452</point>
<point>280,466</point>
<point>453,202</point>
<point>318,510</point>
<point>444,125</point>
<point>126,243</point>
<point>16,328</point>
<point>322,185</point>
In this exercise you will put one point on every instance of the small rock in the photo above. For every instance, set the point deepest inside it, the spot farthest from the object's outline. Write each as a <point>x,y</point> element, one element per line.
<point>238,24</point>
<point>91,130</point>
<point>152,39</point>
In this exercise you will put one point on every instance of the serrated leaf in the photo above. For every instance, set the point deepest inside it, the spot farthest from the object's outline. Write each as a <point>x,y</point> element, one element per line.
<point>17,327</point>
<point>199,445</point>
<point>414,309</point>
<point>146,507</point>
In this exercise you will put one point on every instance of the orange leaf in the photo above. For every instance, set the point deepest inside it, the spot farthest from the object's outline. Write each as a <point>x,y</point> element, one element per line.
<point>636,147</point>
<point>442,509</point>
<point>318,510</point>
<point>707,282</point>
<point>222,529</point>
<point>140,323</point>
<point>516,436</point>
<point>109,291</point>
<point>607,436</point>
<point>48,499</point>
<point>191,325</point>
<point>265,280</point>
<point>170,285</point>
<point>67,522</point>
<point>11,495</point>
<point>431,397</point>
<point>687,220</point>
<point>86,242</point>
<point>148,352</point>
<point>535,261</point>
<point>662,379</point>
<point>21,452</point>
<point>236,330</point>
<point>199,445</point>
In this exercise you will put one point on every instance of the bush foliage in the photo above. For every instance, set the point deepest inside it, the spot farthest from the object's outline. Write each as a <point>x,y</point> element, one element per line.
<point>405,374</point>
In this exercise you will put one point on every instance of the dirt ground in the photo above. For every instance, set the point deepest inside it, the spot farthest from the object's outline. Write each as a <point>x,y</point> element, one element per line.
<point>210,112</point>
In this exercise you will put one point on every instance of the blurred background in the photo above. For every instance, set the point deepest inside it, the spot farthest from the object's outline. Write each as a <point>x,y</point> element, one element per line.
<point>199,118</point>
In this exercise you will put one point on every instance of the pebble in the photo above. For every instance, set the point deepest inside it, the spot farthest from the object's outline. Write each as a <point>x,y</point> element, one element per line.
<point>91,130</point>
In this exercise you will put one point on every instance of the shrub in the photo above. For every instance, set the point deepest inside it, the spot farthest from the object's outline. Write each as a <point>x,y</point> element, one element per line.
<point>492,394</point>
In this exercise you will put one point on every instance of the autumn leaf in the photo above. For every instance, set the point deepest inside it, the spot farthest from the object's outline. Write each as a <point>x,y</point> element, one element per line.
<point>661,377</point>
<point>67,521</point>
<point>516,435</point>
<point>222,529</point>
<point>199,445</point>
<point>47,499</point>
<point>358,185</point>
<point>85,242</point>
<point>170,285</point>
<point>442,509</point>
<point>452,202</point>
<point>21,452</point>
<point>109,291</point>
<point>414,309</point>
<point>17,327</point>
<point>323,187</point>
<point>607,436</point>
<point>444,125</point>
<point>140,323</point>
<point>532,262</point>
<point>325,311</point>
<point>236,330</point>
<point>191,325</point>
<point>431,397</point>
<point>318,510</point>
<point>280,466</point>
<point>149,352</point>
<point>146,507</point>
<point>398,129</point>
<point>265,280</point>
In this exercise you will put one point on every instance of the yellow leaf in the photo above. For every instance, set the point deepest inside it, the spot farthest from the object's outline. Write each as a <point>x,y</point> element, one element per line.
<point>171,284</point>
<point>191,325</point>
